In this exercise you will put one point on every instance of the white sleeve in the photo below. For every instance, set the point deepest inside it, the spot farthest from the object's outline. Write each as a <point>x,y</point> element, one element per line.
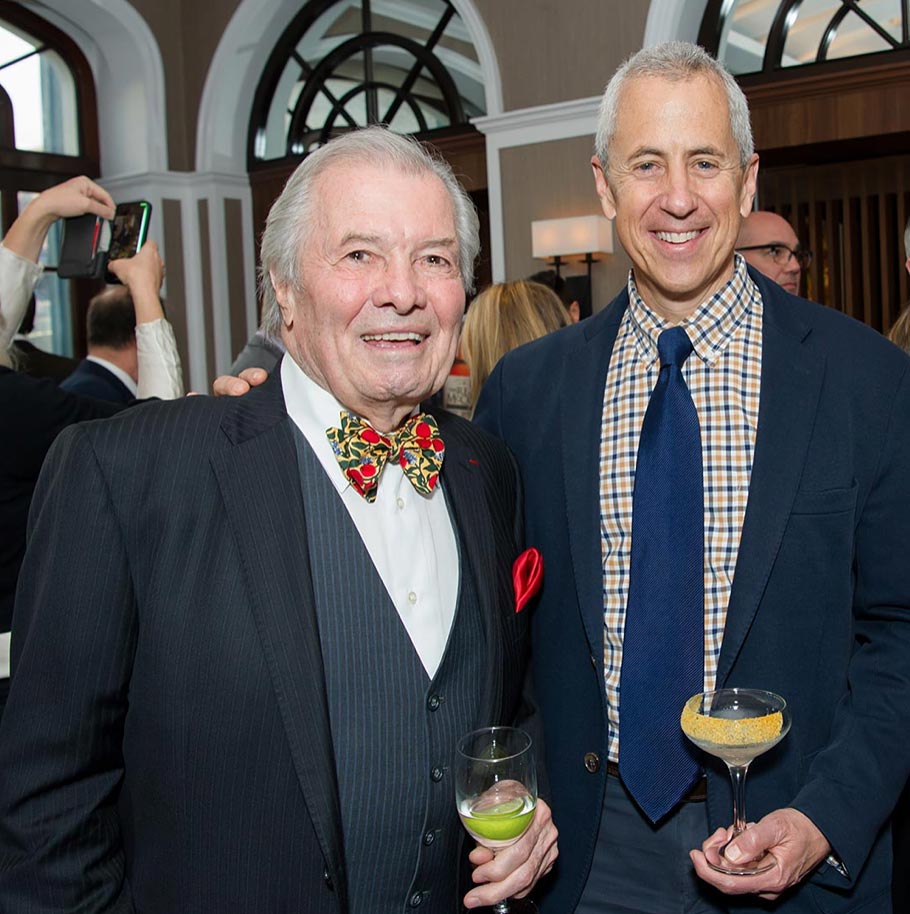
<point>18,277</point>
<point>159,362</point>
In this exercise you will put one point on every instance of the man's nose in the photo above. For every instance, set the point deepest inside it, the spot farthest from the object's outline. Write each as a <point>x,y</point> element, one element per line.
<point>400,285</point>
<point>679,197</point>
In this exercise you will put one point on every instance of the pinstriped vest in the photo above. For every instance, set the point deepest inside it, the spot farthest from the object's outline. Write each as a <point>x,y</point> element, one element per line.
<point>394,731</point>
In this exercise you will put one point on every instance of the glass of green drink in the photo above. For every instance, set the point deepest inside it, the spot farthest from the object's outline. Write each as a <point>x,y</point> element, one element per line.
<point>496,791</point>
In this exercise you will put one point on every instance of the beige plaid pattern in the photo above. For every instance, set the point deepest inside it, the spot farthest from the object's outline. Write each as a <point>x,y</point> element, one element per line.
<point>724,375</point>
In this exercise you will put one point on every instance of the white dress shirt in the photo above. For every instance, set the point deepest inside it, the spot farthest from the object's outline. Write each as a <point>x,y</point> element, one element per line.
<point>409,537</point>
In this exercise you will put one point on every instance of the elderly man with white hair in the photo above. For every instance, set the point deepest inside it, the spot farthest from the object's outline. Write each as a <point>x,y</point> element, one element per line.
<point>250,632</point>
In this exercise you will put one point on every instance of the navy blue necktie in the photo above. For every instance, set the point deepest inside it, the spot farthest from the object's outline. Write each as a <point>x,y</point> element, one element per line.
<point>663,640</point>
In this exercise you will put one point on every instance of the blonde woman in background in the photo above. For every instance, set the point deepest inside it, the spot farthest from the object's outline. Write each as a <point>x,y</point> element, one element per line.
<point>504,316</point>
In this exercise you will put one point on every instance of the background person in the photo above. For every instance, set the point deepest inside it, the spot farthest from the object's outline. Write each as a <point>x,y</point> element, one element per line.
<point>770,525</point>
<point>503,316</point>
<point>111,369</point>
<point>280,642</point>
<point>31,359</point>
<point>768,243</point>
<point>900,331</point>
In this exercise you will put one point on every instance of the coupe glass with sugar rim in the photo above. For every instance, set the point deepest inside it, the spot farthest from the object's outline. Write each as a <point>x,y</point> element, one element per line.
<point>736,725</point>
<point>496,792</point>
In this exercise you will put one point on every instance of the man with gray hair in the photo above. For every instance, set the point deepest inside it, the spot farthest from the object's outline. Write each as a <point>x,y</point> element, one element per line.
<point>250,632</point>
<point>716,474</point>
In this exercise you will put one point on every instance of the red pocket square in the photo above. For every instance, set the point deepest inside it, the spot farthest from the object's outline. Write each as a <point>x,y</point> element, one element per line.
<point>527,576</point>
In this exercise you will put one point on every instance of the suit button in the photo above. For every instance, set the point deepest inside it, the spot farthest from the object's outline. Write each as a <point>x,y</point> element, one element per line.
<point>592,762</point>
<point>416,900</point>
<point>433,702</point>
<point>437,774</point>
<point>328,880</point>
<point>429,838</point>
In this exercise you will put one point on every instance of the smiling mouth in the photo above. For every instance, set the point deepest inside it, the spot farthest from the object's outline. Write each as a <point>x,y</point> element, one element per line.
<point>678,237</point>
<point>414,338</point>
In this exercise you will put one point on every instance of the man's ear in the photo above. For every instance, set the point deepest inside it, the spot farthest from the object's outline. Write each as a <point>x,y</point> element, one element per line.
<point>750,182</point>
<point>604,190</point>
<point>285,296</point>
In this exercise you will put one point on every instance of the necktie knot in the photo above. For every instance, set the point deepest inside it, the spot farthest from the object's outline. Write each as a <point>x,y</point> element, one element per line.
<point>362,452</point>
<point>674,347</point>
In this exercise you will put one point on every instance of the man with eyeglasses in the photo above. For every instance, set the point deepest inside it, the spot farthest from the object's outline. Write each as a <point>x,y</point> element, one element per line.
<point>769,244</point>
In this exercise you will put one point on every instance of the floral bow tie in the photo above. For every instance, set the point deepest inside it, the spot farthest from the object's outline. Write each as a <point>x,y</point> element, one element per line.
<point>362,452</point>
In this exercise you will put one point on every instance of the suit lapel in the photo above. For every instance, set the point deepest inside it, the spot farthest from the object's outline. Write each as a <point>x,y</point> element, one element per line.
<point>791,383</point>
<point>260,484</point>
<point>582,392</point>
<point>472,520</point>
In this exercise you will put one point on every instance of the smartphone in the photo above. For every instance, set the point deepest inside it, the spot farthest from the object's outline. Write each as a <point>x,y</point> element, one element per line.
<point>129,230</point>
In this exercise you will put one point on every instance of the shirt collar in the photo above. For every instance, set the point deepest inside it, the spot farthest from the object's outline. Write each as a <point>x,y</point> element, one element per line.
<point>710,327</point>
<point>314,410</point>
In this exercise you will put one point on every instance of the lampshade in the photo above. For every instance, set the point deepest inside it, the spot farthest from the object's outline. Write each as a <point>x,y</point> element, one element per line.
<point>575,235</point>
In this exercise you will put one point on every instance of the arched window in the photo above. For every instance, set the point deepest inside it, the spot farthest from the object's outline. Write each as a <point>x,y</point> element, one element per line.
<point>751,36</point>
<point>826,81</point>
<point>48,133</point>
<point>342,64</point>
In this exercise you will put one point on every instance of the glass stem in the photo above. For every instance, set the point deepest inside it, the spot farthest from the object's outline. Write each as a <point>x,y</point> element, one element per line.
<point>738,777</point>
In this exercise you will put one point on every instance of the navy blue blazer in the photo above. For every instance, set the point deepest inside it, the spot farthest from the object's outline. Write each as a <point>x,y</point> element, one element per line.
<point>820,606</point>
<point>166,746</point>
<point>93,380</point>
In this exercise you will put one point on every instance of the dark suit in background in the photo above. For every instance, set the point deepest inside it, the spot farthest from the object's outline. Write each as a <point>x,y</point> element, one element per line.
<point>820,606</point>
<point>32,414</point>
<point>37,363</point>
<point>93,380</point>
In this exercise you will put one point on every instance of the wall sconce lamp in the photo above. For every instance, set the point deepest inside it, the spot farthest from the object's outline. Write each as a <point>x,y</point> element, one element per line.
<point>559,238</point>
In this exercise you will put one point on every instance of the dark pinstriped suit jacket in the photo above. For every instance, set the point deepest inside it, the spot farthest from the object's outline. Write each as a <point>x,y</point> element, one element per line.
<point>166,744</point>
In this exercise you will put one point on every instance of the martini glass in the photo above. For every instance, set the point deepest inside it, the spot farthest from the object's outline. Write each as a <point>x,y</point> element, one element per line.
<point>496,792</point>
<point>736,725</point>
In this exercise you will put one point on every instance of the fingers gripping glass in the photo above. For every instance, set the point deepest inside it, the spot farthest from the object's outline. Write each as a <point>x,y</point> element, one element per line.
<point>781,254</point>
<point>496,792</point>
<point>736,725</point>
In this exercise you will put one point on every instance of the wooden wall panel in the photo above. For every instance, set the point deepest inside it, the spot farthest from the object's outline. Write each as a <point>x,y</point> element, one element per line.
<point>852,215</point>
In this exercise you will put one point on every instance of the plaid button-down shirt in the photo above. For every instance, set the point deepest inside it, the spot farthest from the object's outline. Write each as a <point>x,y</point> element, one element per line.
<point>723,374</point>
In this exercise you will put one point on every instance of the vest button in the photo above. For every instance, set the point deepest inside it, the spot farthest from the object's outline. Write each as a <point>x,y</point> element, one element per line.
<point>429,838</point>
<point>592,762</point>
<point>416,900</point>
<point>433,702</point>
<point>437,774</point>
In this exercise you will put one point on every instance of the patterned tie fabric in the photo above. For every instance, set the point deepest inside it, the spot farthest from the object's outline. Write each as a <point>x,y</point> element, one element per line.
<point>663,639</point>
<point>362,452</point>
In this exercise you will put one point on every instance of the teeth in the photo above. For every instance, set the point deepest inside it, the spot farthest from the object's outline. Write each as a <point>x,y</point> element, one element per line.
<point>394,337</point>
<point>676,237</point>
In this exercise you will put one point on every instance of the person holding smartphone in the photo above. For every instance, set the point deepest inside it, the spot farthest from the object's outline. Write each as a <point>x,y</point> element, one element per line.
<point>33,411</point>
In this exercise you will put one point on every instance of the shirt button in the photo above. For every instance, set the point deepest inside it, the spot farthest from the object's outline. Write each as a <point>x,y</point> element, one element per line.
<point>412,597</point>
<point>429,838</point>
<point>400,502</point>
<point>416,900</point>
<point>437,774</point>
<point>433,702</point>
<point>592,762</point>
